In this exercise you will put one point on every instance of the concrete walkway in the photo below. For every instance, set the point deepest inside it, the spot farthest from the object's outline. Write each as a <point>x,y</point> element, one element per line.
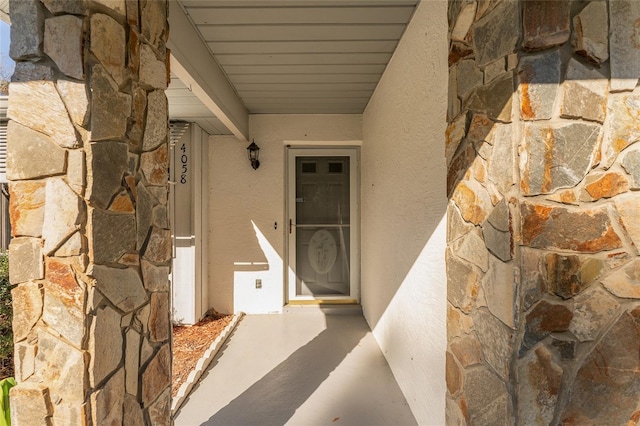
<point>305,367</point>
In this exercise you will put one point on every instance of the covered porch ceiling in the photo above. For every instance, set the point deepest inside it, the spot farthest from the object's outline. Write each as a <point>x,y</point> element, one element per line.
<point>232,58</point>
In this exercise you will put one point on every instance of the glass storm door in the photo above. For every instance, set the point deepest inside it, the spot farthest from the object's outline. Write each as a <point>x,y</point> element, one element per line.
<point>323,213</point>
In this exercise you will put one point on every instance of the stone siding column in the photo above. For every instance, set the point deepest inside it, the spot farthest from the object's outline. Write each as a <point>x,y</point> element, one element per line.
<point>543,148</point>
<point>91,248</point>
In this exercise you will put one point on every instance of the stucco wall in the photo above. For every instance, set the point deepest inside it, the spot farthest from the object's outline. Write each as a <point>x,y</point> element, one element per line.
<point>404,212</point>
<point>240,197</point>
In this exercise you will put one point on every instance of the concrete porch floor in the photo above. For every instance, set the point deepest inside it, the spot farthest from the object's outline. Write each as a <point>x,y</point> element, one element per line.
<point>307,366</point>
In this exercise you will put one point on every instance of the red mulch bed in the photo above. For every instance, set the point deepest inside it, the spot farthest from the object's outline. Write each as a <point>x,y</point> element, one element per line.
<point>189,344</point>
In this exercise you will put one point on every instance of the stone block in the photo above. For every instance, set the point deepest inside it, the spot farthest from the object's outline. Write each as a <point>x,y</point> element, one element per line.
<point>154,22</point>
<point>146,351</point>
<point>63,43</point>
<point>532,279</point>
<point>500,291</point>
<point>108,43</point>
<point>74,96</point>
<point>463,283</point>
<point>122,203</point>
<point>498,242</point>
<point>26,208</point>
<point>132,361</point>
<point>469,77</point>
<point>31,71</point>
<point>107,165</point>
<point>463,22</point>
<point>494,99</point>
<point>494,70</point>
<point>631,164</point>
<point>58,364</point>
<point>458,324</point>
<point>496,34</point>
<point>74,246</point>
<point>44,101</point>
<point>70,414</point>
<point>25,255</point>
<point>454,134</point>
<point>57,7</point>
<point>625,282</point>
<point>155,132</point>
<point>153,72</point>
<point>111,235</point>
<point>539,387</point>
<point>105,345</point>
<point>110,109</point>
<point>27,30</point>
<point>628,208</point>
<point>31,154</point>
<point>622,126</point>
<point>623,44</point>
<point>159,327</point>
<point>160,410</point>
<point>123,287</point>
<point>64,214</point>
<point>27,309</point>
<point>160,217</point>
<point>144,215</point>
<point>604,185</point>
<point>473,200</point>
<point>138,118</point>
<point>453,103</point>
<point>132,410</point>
<point>467,350</point>
<point>155,278</point>
<point>64,302</point>
<point>453,374</point>
<point>557,157</point>
<point>118,6</point>
<point>154,166</point>
<point>545,23</point>
<point>544,319</point>
<point>482,388</point>
<point>472,249</point>
<point>607,385</point>
<point>538,81</point>
<point>158,248</point>
<point>591,35</point>
<point>457,227</point>
<point>156,376</point>
<point>584,93</point>
<point>30,404</point>
<point>594,310</point>
<point>496,340</point>
<point>460,166</point>
<point>569,275</point>
<point>107,402</point>
<point>24,360</point>
<point>502,161</point>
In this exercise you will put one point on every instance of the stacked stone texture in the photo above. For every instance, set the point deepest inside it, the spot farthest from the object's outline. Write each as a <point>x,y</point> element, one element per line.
<point>91,249</point>
<point>543,260</point>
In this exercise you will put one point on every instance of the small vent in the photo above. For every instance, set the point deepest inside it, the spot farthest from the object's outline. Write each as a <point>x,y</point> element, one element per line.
<point>178,128</point>
<point>3,151</point>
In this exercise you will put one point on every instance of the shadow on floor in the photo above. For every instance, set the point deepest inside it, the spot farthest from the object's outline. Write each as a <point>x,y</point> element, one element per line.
<point>274,399</point>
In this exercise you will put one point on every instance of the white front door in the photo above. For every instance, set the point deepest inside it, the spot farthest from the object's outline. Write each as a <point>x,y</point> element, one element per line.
<point>322,205</point>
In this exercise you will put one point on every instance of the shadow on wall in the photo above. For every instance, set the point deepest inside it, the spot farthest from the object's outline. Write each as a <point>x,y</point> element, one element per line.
<point>253,282</point>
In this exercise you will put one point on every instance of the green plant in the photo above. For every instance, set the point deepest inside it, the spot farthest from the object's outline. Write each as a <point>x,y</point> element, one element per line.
<point>5,414</point>
<point>6,314</point>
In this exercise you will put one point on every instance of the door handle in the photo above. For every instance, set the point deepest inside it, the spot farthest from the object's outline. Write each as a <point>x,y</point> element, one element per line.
<point>290,226</point>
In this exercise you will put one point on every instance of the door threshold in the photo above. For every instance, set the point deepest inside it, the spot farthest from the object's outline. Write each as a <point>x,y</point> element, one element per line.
<point>327,308</point>
<point>323,302</point>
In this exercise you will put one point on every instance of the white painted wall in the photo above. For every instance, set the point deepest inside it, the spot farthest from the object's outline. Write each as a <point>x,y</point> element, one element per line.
<point>404,212</point>
<point>188,219</point>
<point>245,204</point>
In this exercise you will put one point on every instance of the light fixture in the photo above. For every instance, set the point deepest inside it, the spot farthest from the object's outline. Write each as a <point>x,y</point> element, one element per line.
<point>253,151</point>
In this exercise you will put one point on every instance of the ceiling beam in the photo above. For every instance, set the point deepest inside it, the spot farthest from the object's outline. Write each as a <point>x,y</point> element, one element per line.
<point>192,62</point>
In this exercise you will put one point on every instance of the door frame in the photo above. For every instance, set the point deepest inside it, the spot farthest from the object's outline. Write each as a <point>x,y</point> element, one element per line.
<point>322,150</point>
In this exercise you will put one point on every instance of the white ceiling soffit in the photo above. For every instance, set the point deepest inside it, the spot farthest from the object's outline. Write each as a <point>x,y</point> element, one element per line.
<point>301,56</point>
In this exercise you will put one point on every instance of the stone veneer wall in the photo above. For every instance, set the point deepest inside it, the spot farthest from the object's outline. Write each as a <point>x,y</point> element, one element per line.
<point>543,257</point>
<point>87,161</point>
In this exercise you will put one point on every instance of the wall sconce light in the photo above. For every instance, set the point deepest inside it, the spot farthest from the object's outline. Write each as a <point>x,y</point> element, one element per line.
<point>253,151</point>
